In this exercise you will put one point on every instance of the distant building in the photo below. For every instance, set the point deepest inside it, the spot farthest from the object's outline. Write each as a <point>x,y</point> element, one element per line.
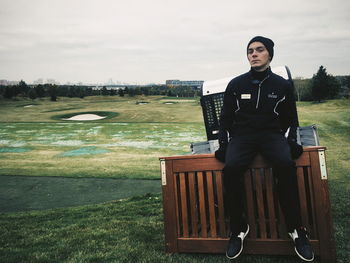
<point>4,82</point>
<point>38,81</point>
<point>188,83</point>
<point>41,81</point>
<point>115,87</point>
<point>52,81</point>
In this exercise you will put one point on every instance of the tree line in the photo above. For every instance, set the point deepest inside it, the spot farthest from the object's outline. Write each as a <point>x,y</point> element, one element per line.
<point>53,91</point>
<point>322,86</point>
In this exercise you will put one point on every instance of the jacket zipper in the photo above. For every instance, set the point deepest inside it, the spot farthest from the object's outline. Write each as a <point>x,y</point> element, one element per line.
<point>258,98</point>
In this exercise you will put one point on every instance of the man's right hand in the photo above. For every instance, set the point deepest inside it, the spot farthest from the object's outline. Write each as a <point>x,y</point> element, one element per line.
<point>221,152</point>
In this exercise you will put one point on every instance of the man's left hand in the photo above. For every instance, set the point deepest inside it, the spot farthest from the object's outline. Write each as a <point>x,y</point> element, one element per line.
<point>296,149</point>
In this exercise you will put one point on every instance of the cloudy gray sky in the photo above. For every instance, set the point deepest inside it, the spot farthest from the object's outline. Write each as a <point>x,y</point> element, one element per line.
<point>143,41</point>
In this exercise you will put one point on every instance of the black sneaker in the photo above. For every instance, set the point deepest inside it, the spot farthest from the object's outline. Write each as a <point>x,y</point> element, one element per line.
<point>302,245</point>
<point>235,245</point>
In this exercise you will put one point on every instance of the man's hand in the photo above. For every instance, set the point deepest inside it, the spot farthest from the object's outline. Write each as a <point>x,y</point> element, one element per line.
<point>221,152</point>
<point>296,149</point>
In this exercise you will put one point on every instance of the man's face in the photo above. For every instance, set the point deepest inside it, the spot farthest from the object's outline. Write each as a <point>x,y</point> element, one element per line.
<point>258,56</point>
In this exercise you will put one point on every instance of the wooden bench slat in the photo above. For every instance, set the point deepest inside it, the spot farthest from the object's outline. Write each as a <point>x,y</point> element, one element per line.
<point>178,202</point>
<point>184,205</point>
<point>270,203</point>
<point>260,204</point>
<point>211,204</point>
<point>250,204</point>
<point>302,197</point>
<point>202,210</point>
<point>220,198</point>
<point>313,213</point>
<point>193,204</point>
<point>282,224</point>
<point>186,164</point>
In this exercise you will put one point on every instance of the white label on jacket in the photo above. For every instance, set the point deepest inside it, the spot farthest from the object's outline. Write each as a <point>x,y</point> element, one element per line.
<point>245,96</point>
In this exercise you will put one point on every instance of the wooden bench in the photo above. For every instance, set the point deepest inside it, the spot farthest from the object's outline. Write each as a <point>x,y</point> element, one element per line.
<point>194,212</point>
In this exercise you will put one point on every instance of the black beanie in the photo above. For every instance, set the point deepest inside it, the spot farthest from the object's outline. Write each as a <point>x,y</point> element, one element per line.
<point>268,43</point>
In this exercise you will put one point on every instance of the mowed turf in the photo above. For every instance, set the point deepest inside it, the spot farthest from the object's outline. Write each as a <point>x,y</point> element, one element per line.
<point>26,193</point>
<point>153,109</point>
<point>131,230</point>
<point>125,146</point>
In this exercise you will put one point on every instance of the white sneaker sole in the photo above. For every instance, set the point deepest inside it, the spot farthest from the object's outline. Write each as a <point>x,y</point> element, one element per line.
<point>242,237</point>
<point>292,236</point>
<point>309,260</point>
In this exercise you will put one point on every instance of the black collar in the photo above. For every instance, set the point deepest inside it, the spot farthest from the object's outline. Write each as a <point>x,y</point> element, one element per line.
<point>257,75</point>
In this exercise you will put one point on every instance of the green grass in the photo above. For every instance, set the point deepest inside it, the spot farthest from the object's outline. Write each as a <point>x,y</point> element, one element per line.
<point>26,193</point>
<point>127,144</point>
<point>333,121</point>
<point>131,230</point>
<point>185,111</point>
<point>121,231</point>
<point>117,150</point>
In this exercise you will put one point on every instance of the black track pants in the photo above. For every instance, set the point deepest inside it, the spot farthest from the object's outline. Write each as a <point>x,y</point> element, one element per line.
<point>240,153</point>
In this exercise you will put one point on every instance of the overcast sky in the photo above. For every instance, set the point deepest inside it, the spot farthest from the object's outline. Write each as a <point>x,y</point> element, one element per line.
<point>144,41</point>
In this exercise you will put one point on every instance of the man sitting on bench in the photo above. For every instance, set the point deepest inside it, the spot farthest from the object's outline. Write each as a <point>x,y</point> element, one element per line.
<point>259,110</point>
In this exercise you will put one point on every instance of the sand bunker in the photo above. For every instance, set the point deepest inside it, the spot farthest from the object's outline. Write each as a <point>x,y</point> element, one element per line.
<point>85,117</point>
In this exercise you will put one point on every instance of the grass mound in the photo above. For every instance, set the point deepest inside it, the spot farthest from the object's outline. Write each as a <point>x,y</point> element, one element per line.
<point>170,102</point>
<point>63,109</point>
<point>21,105</point>
<point>106,114</point>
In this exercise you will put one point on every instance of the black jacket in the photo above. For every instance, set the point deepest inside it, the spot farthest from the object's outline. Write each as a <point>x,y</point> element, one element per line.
<point>258,101</point>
